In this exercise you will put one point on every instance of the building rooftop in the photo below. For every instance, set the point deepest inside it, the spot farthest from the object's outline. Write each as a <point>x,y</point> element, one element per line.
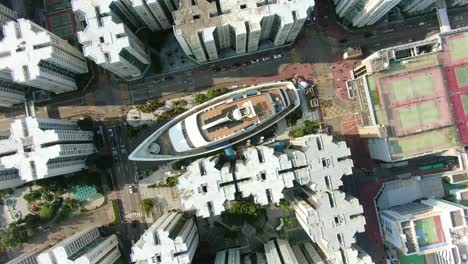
<point>220,122</point>
<point>424,227</point>
<point>263,174</point>
<point>407,92</point>
<point>40,148</point>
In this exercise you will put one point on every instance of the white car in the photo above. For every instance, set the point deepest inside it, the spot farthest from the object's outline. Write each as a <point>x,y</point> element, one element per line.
<point>277,56</point>
<point>130,189</point>
<point>111,133</point>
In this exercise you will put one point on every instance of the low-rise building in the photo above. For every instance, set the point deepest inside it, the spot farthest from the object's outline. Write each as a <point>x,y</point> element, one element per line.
<point>173,238</point>
<point>425,227</point>
<point>39,148</point>
<point>409,98</point>
<point>88,246</point>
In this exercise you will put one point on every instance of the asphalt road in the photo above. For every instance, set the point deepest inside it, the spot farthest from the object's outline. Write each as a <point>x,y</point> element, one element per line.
<point>123,176</point>
<point>308,47</point>
<point>189,81</point>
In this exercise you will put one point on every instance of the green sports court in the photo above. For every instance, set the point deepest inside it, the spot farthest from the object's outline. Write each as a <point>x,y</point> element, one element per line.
<point>418,115</point>
<point>412,87</point>
<point>462,76</point>
<point>429,231</point>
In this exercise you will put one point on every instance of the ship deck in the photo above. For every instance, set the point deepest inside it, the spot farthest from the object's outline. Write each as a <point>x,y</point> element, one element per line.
<point>167,151</point>
<point>262,107</point>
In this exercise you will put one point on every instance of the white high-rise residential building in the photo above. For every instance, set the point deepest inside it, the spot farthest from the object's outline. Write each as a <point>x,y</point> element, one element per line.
<point>331,219</point>
<point>87,246</point>
<point>263,174</point>
<point>410,6</point>
<point>173,238</point>
<point>155,14</point>
<point>320,162</point>
<point>426,227</point>
<point>28,258</point>
<point>109,43</point>
<point>209,184</point>
<point>200,188</point>
<point>6,14</point>
<point>32,56</point>
<point>362,13</point>
<point>460,2</point>
<point>278,251</point>
<point>40,148</point>
<point>228,256</point>
<point>204,28</point>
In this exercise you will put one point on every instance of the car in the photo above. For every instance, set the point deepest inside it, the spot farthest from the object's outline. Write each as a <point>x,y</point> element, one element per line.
<point>266,58</point>
<point>277,56</point>
<point>130,189</point>
<point>255,61</point>
<point>134,223</point>
<point>111,133</point>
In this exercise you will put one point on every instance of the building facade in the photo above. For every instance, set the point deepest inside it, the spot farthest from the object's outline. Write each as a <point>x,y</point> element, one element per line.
<point>425,227</point>
<point>409,6</point>
<point>173,238</point>
<point>108,39</point>
<point>207,31</point>
<point>27,258</point>
<point>39,148</point>
<point>88,246</point>
<point>34,57</point>
<point>6,15</point>
<point>360,13</point>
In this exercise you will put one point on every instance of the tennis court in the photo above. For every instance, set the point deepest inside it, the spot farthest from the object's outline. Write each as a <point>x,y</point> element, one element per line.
<point>458,47</point>
<point>429,231</point>
<point>465,103</point>
<point>418,115</point>
<point>425,142</point>
<point>462,76</point>
<point>412,87</point>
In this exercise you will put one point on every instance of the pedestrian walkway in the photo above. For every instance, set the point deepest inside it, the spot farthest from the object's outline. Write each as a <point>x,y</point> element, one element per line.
<point>133,215</point>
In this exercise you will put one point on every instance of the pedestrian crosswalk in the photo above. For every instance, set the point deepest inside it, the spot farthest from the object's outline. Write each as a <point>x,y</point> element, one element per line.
<point>133,215</point>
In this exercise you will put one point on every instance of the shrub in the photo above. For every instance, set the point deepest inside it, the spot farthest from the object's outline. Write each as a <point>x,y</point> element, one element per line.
<point>115,206</point>
<point>200,98</point>
<point>171,181</point>
<point>147,205</point>
<point>150,106</point>
<point>243,208</point>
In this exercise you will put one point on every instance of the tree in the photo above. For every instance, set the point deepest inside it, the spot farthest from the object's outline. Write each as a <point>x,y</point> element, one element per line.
<point>32,196</point>
<point>87,123</point>
<point>296,133</point>
<point>14,235</point>
<point>171,181</point>
<point>46,212</point>
<point>147,205</point>
<point>48,197</point>
<point>284,205</point>
<point>310,127</point>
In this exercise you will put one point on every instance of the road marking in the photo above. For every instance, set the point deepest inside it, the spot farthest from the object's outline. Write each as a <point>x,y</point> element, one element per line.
<point>133,215</point>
